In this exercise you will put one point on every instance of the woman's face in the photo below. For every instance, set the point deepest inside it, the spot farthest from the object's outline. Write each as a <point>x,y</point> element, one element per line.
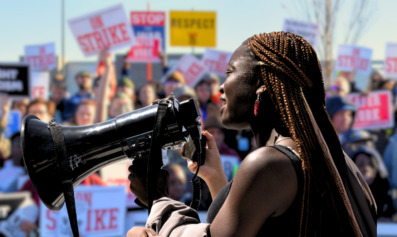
<point>147,95</point>
<point>170,86</point>
<point>238,91</point>
<point>366,168</point>
<point>203,92</point>
<point>85,115</point>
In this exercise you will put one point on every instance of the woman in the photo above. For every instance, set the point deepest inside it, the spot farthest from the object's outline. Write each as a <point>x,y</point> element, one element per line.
<point>274,86</point>
<point>146,95</point>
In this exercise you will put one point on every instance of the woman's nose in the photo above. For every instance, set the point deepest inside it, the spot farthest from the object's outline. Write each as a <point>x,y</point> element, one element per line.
<point>221,89</point>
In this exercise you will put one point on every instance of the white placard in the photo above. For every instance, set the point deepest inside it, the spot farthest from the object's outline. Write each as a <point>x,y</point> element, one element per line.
<point>105,28</point>
<point>228,163</point>
<point>390,64</point>
<point>308,30</point>
<point>352,57</point>
<point>191,68</point>
<point>100,212</point>
<point>40,82</point>
<point>216,61</point>
<point>41,57</point>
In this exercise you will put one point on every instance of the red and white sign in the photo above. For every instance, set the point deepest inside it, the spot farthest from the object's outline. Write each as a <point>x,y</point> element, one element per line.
<point>117,174</point>
<point>351,57</point>
<point>40,82</point>
<point>391,60</point>
<point>100,211</point>
<point>145,50</point>
<point>191,68</point>
<point>216,61</point>
<point>373,111</point>
<point>105,28</point>
<point>147,18</point>
<point>41,57</point>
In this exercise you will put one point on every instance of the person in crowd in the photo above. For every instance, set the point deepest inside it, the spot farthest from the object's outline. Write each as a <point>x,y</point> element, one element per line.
<point>20,105</point>
<point>214,82</point>
<point>390,159</point>
<point>146,95</point>
<point>214,126</point>
<point>42,109</point>
<point>371,166</point>
<point>5,144</point>
<point>13,167</point>
<point>85,113</point>
<point>341,112</point>
<point>374,81</point>
<point>84,82</point>
<point>172,82</point>
<point>120,104</point>
<point>58,95</point>
<point>274,86</point>
<point>350,78</point>
<point>340,86</point>
<point>125,85</point>
<point>177,182</point>
<point>207,106</point>
<point>185,93</point>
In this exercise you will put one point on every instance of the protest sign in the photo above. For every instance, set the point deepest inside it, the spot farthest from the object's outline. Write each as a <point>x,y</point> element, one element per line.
<point>190,67</point>
<point>390,64</point>
<point>14,79</point>
<point>148,28</point>
<point>41,57</point>
<point>351,57</point>
<point>105,28</point>
<point>308,30</point>
<point>14,123</point>
<point>16,208</point>
<point>40,82</point>
<point>191,28</point>
<point>117,174</point>
<point>100,212</point>
<point>216,61</point>
<point>374,111</point>
<point>228,163</point>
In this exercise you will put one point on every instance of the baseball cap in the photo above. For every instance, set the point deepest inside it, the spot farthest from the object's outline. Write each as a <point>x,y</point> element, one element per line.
<point>176,76</point>
<point>83,74</point>
<point>125,81</point>
<point>336,104</point>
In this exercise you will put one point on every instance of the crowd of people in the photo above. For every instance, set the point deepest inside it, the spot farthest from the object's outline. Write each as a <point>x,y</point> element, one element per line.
<point>103,97</point>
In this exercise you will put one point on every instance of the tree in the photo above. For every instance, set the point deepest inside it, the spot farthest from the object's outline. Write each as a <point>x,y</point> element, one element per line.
<point>326,14</point>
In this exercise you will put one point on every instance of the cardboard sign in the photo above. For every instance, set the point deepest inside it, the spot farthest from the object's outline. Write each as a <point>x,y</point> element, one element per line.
<point>148,28</point>
<point>14,79</point>
<point>40,82</point>
<point>390,64</point>
<point>373,111</point>
<point>100,212</point>
<point>228,163</point>
<point>105,28</point>
<point>191,68</point>
<point>14,123</point>
<point>351,57</point>
<point>216,61</point>
<point>16,208</point>
<point>191,28</point>
<point>308,30</point>
<point>41,57</point>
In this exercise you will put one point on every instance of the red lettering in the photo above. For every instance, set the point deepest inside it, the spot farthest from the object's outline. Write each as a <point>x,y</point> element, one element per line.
<point>124,32</point>
<point>88,221</point>
<point>88,198</point>
<point>99,225</point>
<point>113,218</point>
<point>82,44</point>
<point>98,38</point>
<point>106,36</point>
<point>52,220</point>
<point>38,91</point>
<point>96,22</point>
<point>113,33</point>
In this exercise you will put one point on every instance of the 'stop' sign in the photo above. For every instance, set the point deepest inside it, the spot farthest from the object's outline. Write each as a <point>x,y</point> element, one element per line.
<point>147,18</point>
<point>193,28</point>
<point>102,29</point>
<point>351,57</point>
<point>390,65</point>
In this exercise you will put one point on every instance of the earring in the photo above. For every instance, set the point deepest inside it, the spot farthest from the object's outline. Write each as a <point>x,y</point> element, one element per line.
<point>258,99</point>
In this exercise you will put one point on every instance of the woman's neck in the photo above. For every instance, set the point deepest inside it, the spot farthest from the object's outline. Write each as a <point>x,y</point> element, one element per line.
<point>265,132</point>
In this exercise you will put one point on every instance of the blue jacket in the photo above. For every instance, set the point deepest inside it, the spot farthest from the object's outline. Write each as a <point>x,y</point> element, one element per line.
<point>390,159</point>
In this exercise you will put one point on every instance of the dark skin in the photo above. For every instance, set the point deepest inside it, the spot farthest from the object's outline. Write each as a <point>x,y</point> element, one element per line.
<point>265,184</point>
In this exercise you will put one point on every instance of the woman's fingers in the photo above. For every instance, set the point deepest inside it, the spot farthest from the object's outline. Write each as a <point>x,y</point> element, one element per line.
<point>192,166</point>
<point>210,140</point>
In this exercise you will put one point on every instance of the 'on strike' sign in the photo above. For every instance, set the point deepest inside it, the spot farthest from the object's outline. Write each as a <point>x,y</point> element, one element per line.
<point>102,29</point>
<point>373,111</point>
<point>391,60</point>
<point>352,57</point>
<point>41,57</point>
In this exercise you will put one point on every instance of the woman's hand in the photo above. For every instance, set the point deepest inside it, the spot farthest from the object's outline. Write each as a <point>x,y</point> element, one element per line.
<point>137,179</point>
<point>28,226</point>
<point>141,232</point>
<point>212,170</point>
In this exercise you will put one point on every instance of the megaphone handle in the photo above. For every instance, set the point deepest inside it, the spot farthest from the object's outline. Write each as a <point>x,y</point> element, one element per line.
<point>64,169</point>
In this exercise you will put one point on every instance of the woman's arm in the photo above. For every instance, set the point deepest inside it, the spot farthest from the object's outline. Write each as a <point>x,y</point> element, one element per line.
<point>103,90</point>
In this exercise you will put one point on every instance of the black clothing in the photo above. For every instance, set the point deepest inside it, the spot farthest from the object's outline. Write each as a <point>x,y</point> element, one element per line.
<point>286,224</point>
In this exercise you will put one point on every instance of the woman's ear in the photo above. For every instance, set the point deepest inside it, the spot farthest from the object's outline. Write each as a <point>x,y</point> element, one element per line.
<point>261,90</point>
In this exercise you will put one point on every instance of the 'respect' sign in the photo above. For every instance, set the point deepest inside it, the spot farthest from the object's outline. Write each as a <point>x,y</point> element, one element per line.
<point>351,57</point>
<point>105,28</point>
<point>390,64</point>
<point>41,57</point>
<point>191,28</point>
<point>216,61</point>
<point>14,79</point>
<point>374,111</point>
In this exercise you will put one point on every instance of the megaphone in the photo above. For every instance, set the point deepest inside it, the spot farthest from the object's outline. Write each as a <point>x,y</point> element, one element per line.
<point>89,148</point>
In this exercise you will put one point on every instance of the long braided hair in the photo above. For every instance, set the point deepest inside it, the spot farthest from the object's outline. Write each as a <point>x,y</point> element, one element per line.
<point>291,72</point>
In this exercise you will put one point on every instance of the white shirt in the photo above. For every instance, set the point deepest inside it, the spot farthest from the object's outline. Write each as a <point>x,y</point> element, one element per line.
<point>9,175</point>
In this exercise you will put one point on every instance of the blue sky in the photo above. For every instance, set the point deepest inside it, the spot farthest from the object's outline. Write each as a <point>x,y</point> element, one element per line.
<point>27,22</point>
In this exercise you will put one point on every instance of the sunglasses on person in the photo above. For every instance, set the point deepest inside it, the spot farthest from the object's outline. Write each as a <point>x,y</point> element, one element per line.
<point>172,82</point>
